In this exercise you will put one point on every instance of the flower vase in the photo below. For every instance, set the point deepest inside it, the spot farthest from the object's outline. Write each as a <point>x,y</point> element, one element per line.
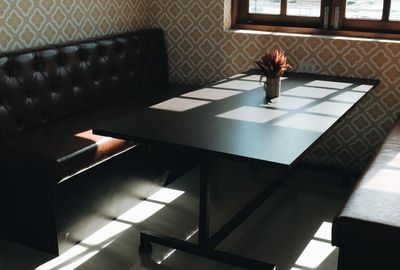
<point>272,87</point>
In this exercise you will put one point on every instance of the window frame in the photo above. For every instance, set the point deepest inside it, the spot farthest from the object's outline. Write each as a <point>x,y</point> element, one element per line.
<point>327,24</point>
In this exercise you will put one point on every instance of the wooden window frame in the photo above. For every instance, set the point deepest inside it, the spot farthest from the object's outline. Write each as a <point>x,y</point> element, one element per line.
<point>336,23</point>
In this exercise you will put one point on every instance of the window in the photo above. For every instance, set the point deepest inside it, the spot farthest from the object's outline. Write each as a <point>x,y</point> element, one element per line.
<point>369,18</point>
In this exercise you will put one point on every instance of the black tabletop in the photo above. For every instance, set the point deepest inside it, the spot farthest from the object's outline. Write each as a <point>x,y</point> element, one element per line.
<point>232,117</point>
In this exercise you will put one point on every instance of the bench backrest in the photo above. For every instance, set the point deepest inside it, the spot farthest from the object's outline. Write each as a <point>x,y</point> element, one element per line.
<point>45,85</point>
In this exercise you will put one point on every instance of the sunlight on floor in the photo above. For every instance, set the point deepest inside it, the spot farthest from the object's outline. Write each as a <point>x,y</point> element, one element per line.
<point>317,250</point>
<point>141,212</point>
<point>93,244</point>
<point>165,195</point>
<point>190,235</point>
<point>314,254</point>
<point>65,257</point>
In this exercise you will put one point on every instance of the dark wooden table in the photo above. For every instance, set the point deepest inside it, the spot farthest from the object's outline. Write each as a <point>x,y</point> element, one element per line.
<point>232,119</point>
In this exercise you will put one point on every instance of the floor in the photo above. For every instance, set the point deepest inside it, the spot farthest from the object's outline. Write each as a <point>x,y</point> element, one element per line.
<point>291,229</point>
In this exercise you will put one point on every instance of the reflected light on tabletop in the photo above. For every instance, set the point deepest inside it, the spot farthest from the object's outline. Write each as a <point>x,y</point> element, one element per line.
<point>252,114</point>
<point>211,93</point>
<point>329,84</point>
<point>179,104</point>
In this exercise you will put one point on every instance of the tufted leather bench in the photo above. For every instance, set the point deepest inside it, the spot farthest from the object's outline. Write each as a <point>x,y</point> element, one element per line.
<point>367,229</point>
<point>50,98</point>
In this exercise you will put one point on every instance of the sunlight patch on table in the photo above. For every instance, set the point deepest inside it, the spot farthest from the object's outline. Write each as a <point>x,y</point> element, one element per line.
<point>179,104</point>
<point>363,88</point>
<point>237,75</point>
<point>256,78</point>
<point>329,84</point>
<point>288,103</point>
<point>308,122</point>
<point>252,114</point>
<point>308,92</point>
<point>330,108</point>
<point>211,93</point>
<point>239,85</point>
<point>348,97</point>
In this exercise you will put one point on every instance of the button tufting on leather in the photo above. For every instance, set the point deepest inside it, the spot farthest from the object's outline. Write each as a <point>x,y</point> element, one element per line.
<point>83,55</point>
<point>74,77</point>
<point>11,69</point>
<point>77,89</point>
<point>60,60</point>
<point>38,64</point>
<point>134,45</point>
<point>101,51</point>
<point>120,49</point>
<point>19,124</point>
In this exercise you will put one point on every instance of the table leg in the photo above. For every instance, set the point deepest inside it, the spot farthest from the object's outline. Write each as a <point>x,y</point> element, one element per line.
<point>204,215</point>
<point>206,244</point>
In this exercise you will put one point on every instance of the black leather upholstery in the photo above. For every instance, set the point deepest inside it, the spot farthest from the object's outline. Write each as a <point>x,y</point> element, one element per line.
<point>50,99</point>
<point>67,147</point>
<point>367,229</point>
<point>42,86</point>
<point>47,97</point>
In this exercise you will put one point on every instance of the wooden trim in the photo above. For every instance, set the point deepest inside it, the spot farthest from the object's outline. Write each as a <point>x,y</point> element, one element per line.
<point>371,25</point>
<point>316,31</point>
<point>287,29</point>
<point>281,20</point>
<point>243,8</point>
<point>358,33</point>
<point>234,12</point>
<point>284,7</point>
<point>242,19</point>
<point>244,16</point>
<point>342,5</point>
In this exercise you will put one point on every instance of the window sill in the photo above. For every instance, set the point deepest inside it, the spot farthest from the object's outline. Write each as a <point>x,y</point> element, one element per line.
<point>313,32</point>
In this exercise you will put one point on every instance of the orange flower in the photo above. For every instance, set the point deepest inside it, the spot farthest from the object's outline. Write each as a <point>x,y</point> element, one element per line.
<point>273,63</point>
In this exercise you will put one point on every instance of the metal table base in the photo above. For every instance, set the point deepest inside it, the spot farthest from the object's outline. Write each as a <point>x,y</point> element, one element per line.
<point>206,246</point>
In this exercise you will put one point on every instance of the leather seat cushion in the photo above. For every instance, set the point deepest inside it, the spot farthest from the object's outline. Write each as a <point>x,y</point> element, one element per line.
<point>68,147</point>
<point>372,211</point>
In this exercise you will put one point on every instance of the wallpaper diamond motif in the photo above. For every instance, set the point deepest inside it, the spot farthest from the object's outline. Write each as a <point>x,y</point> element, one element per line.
<point>201,52</point>
<point>32,23</point>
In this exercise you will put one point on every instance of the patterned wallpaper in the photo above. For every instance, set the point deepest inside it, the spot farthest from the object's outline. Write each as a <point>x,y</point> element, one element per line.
<point>33,23</point>
<point>201,51</point>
